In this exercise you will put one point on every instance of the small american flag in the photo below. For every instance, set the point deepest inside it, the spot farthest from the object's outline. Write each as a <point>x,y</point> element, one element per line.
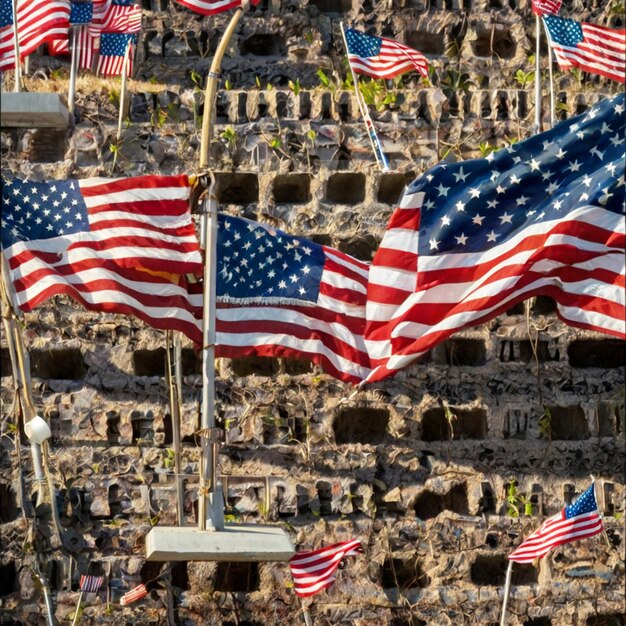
<point>87,44</point>
<point>591,48</point>
<point>280,295</point>
<point>38,21</point>
<point>81,12</point>
<point>133,595</point>
<point>211,7</point>
<point>380,57</point>
<point>546,7</point>
<point>91,584</point>
<point>542,217</point>
<point>576,521</point>
<point>314,571</point>
<point>114,245</point>
<point>112,50</point>
<point>121,18</point>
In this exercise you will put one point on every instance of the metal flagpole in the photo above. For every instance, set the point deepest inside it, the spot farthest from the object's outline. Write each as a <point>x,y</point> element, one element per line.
<point>211,499</point>
<point>16,50</point>
<point>507,588</point>
<point>537,76</point>
<point>174,379</point>
<point>73,68</point>
<point>381,159</point>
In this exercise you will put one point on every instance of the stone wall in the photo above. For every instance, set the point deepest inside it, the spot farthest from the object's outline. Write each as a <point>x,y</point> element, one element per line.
<point>435,470</point>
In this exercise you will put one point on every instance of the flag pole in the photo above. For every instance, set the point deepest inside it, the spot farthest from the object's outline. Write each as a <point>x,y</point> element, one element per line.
<point>123,90</point>
<point>305,613</point>
<point>210,496</point>
<point>80,599</point>
<point>507,588</point>
<point>73,70</point>
<point>550,74</point>
<point>174,376</point>
<point>16,50</point>
<point>537,76</point>
<point>381,159</point>
<point>211,89</point>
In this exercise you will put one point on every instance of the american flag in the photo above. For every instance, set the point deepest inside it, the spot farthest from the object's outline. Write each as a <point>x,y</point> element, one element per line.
<point>285,296</point>
<point>471,239</point>
<point>211,7</point>
<point>591,48</point>
<point>38,21</point>
<point>87,44</point>
<point>112,50</point>
<point>546,7</point>
<point>122,18</point>
<point>576,521</point>
<point>91,584</point>
<point>114,245</point>
<point>380,57</point>
<point>133,595</point>
<point>314,571</point>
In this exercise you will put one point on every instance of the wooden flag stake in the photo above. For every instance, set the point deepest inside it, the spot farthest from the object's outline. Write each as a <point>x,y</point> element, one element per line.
<point>305,613</point>
<point>377,147</point>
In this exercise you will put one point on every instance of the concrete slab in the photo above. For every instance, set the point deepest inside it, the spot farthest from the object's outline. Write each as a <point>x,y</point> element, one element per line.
<point>237,542</point>
<point>33,110</point>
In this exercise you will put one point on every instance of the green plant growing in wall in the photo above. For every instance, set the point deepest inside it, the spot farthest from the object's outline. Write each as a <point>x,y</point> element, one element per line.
<point>517,502</point>
<point>169,459</point>
<point>114,97</point>
<point>525,79</point>
<point>545,423</point>
<point>229,135</point>
<point>324,80</point>
<point>158,117</point>
<point>295,86</point>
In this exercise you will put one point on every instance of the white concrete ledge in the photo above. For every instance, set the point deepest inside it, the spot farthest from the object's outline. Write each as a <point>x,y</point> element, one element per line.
<point>33,110</point>
<point>237,542</point>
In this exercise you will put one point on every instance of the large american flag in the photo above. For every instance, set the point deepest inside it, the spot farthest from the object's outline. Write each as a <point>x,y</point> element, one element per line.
<point>591,48</point>
<point>315,570</point>
<point>380,57</point>
<point>542,217</point>
<point>38,21</point>
<point>546,7</point>
<point>211,7</point>
<point>576,521</point>
<point>280,295</point>
<point>112,50</point>
<point>114,245</point>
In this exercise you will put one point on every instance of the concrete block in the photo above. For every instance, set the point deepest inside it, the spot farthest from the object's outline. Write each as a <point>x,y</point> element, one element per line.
<point>237,542</point>
<point>33,110</point>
